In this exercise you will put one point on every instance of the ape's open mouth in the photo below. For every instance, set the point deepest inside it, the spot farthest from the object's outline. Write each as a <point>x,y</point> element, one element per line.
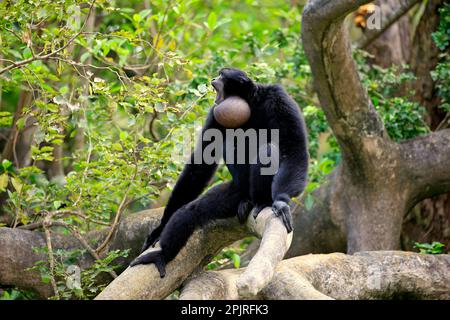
<point>219,96</point>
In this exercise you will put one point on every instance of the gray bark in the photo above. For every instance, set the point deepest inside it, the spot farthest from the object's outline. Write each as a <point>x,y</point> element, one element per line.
<point>378,180</point>
<point>17,252</point>
<point>364,275</point>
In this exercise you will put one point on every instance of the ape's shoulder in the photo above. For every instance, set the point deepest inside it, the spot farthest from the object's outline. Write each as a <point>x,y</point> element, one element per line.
<point>275,97</point>
<point>271,90</point>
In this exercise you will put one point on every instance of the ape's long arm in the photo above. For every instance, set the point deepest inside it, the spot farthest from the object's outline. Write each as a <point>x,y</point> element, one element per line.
<point>290,180</point>
<point>191,183</point>
<point>194,177</point>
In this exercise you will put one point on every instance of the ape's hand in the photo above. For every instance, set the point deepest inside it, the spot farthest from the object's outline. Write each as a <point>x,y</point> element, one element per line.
<point>152,238</point>
<point>155,257</point>
<point>282,209</point>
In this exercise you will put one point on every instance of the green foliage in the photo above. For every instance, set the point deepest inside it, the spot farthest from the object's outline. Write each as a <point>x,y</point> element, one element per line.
<point>433,248</point>
<point>441,75</point>
<point>72,282</point>
<point>230,255</point>
<point>16,294</point>
<point>442,35</point>
<point>402,118</point>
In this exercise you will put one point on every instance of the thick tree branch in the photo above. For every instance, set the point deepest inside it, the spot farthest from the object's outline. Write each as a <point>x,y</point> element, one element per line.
<point>317,230</point>
<point>370,35</point>
<point>17,254</point>
<point>274,245</point>
<point>342,96</point>
<point>364,275</point>
<point>426,164</point>
<point>144,282</point>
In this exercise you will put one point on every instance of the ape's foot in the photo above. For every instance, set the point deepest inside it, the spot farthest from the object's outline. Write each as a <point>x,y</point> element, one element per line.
<point>155,257</point>
<point>244,209</point>
<point>282,210</point>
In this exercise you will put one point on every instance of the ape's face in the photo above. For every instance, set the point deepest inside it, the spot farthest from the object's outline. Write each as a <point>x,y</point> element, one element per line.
<point>232,82</point>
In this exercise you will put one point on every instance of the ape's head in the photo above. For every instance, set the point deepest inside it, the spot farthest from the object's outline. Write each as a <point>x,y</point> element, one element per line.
<point>232,82</point>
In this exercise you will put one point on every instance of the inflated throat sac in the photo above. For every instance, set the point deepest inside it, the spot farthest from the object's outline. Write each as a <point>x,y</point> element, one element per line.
<point>232,113</point>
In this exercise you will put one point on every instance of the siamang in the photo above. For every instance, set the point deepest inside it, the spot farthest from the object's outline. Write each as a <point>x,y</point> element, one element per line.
<point>249,190</point>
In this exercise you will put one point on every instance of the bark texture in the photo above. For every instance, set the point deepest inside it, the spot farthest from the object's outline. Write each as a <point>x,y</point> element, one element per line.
<point>144,282</point>
<point>18,254</point>
<point>379,180</point>
<point>364,275</point>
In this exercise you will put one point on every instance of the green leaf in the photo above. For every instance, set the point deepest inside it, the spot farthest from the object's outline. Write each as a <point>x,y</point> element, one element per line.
<point>27,53</point>
<point>123,135</point>
<point>212,20</point>
<point>236,260</point>
<point>137,17</point>
<point>145,13</point>
<point>64,89</point>
<point>117,147</point>
<point>45,278</point>
<point>20,123</point>
<point>57,204</point>
<point>6,164</point>
<point>3,182</point>
<point>309,202</point>
<point>16,184</point>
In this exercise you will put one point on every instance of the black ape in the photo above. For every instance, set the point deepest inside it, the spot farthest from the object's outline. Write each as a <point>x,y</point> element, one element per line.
<point>271,108</point>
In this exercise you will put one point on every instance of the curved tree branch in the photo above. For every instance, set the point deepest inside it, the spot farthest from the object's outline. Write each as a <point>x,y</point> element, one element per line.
<point>370,35</point>
<point>343,98</point>
<point>426,163</point>
<point>144,282</point>
<point>316,230</point>
<point>17,254</point>
<point>364,275</point>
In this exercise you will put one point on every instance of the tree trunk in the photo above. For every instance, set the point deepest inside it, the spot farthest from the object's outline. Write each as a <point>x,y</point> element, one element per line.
<point>430,220</point>
<point>379,180</point>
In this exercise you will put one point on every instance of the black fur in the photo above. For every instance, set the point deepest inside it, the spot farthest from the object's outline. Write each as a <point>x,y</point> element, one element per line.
<point>271,108</point>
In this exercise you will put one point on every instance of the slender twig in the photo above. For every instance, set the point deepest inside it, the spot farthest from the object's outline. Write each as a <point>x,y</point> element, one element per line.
<point>151,57</point>
<point>445,123</point>
<point>51,257</point>
<point>152,122</point>
<point>21,63</point>
<point>120,210</point>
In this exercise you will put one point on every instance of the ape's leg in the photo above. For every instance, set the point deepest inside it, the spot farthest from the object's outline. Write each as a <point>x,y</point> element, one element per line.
<point>261,180</point>
<point>220,202</point>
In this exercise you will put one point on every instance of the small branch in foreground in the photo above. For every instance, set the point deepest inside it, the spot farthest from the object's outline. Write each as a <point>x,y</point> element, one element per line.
<point>275,242</point>
<point>51,257</point>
